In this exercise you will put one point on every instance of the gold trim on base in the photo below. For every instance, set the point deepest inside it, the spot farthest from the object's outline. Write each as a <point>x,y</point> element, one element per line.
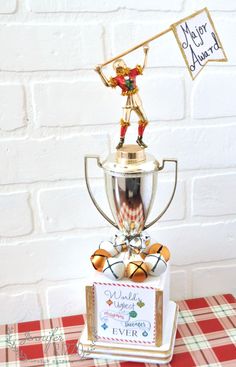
<point>159,317</point>
<point>89,308</point>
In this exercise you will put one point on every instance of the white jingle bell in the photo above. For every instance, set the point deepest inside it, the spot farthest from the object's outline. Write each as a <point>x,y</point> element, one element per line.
<point>146,239</point>
<point>120,243</point>
<point>109,247</point>
<point>156,264</point>
<point>114,268</point>
<point>136,244</point>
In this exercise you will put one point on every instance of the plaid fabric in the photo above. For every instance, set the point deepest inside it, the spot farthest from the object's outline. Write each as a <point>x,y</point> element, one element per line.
<point>206,336</point>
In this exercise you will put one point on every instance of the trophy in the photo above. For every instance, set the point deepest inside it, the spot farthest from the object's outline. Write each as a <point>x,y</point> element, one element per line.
<point>130,316</point>
<point>129,313</point>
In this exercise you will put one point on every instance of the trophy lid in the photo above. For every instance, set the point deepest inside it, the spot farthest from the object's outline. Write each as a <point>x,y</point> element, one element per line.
<point>130,159</point>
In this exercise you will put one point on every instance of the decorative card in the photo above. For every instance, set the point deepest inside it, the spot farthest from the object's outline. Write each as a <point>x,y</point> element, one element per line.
<point>125,313</point>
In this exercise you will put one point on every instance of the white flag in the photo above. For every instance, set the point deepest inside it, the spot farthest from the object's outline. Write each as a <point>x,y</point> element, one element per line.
<point>198,41</point>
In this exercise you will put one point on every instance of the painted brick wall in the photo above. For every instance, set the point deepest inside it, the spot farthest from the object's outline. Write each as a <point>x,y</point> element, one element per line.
<point>54,109</point>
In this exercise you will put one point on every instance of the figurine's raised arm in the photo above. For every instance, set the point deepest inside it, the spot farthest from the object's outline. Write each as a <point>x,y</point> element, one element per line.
<point>106,82</point>
<point>145,49</point>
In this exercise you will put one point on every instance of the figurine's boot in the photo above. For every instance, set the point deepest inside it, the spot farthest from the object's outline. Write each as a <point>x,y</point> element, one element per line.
<point>123,129</point>
<point>140,142</point>
<point>141,128</point>
<point>120,144</point>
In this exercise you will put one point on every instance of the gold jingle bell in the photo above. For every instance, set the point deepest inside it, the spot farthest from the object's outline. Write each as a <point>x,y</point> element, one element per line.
<point>158,248</point>
<point>99,258</point>
<point>137,271</point>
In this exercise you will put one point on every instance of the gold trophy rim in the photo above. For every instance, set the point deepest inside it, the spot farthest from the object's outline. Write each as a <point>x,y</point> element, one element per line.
<point>130,154</point>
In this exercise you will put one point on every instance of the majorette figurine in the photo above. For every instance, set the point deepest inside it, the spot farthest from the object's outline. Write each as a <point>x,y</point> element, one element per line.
<point>126,79</point>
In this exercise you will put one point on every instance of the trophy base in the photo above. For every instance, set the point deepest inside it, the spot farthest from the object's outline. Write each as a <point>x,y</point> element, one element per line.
<point>131,352</point>
<point>125,312</point>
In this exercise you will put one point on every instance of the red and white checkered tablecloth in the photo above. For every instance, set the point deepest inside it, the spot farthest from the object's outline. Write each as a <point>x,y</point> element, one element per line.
<point>206,336</point>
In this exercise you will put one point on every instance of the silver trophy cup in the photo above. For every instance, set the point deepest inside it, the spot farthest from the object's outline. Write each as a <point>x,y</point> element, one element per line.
<point>131,183</point>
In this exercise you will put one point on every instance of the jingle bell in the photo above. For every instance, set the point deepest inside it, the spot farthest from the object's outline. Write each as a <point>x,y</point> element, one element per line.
<point>146,239</point>
<point>99,258</point>
<point>136,245</point>
<point>158,248</point>
<point>109,247</point>
<point>137,271</point>
<point>120,243</point>
<point>114,268</point>
<point>156,264</point>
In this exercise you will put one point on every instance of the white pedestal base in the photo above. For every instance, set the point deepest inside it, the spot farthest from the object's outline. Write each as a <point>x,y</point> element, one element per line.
<point>131,352</point>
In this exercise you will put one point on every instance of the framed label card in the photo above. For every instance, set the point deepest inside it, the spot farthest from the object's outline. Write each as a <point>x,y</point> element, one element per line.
<point>198,41</point>
<point>126,313</point>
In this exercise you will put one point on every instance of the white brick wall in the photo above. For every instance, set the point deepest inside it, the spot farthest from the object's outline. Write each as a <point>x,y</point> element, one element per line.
<point>219,89</point>
<point>75,201</point>
<point>214,195</point>
<point>8,6</point>
<point>68,103</point>
<point>15,214</point>
<point>101,6</point>
<point>18,304</point>
<point>54,110</point>
<point>13,111</point>
<point>50,47</point>
<point>48,159</point>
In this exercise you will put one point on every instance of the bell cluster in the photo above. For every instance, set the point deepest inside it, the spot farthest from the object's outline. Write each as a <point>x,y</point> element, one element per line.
<point>144,258</point>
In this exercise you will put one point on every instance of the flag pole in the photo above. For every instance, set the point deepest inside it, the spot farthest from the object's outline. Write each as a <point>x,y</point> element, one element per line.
<point>137,46</point>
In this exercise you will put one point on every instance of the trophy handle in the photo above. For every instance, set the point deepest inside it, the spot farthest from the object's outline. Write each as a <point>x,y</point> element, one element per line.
<point>173,192</point>
<point>89,189</point>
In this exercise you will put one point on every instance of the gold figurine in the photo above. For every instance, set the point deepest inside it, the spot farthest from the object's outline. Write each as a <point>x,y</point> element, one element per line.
<point>126,79</point>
